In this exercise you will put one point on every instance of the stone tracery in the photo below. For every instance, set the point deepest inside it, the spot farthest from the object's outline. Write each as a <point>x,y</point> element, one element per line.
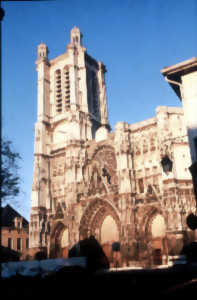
<point>94,216</point>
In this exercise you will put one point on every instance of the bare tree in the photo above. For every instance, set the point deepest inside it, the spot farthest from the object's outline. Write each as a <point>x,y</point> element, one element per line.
<point>9,178</point>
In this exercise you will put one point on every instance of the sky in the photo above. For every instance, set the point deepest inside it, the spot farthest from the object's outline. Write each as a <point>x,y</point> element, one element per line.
<point>135,39</point>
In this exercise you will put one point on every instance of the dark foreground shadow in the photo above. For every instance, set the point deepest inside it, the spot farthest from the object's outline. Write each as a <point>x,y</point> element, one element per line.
<point>190,250</point>
<point>92,250</point>
<point>7,255</point>
<point>77,282</point>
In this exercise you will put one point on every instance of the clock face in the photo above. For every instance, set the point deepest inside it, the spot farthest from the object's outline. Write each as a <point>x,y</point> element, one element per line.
<point>65,132</point>
<point>60,134</point>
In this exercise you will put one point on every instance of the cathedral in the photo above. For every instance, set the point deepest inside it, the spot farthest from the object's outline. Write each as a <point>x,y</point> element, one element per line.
<point>131,186</point>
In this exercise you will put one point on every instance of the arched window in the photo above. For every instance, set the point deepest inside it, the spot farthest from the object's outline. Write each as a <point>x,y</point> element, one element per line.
<point>65,239</point>
<point>58,91</point>
<point>66,87</point>
<point>109,231</point>
<point>158,227</point>
<point>195,145</point>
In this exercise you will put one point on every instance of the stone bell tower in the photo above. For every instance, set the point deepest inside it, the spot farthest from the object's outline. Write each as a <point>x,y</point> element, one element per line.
<point>71,106</point>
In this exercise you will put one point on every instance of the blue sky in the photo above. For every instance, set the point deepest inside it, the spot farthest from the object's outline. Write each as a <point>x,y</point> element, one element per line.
<point>135,39</point>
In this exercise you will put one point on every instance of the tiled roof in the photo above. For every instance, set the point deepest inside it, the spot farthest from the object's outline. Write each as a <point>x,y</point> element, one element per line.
<point>8,214</point>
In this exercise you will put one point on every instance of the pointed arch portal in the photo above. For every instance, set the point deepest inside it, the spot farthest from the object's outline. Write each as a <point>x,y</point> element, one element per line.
<point>109,231</point>
<point>158,227</point>
<point>101,220</point>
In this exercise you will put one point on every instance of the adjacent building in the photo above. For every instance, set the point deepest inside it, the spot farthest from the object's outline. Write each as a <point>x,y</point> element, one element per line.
<point>14,234</point>
<point>130,186</point>
<point>183,79</point>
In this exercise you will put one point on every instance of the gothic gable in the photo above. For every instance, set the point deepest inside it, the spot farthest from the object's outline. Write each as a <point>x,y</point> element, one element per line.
<point>96,185</point>
<point>100,172</point>
<point>59,212</point>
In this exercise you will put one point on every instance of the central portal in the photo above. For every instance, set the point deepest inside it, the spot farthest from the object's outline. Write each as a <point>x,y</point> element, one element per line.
<point>101,220</point>
<point>109,231</point>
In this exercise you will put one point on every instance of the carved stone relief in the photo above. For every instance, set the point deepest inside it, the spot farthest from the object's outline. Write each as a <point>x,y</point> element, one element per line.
<point>100,172</point>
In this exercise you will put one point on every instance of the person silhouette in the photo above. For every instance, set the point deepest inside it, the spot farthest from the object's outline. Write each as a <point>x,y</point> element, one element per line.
<point>92,250</point>
<point>190,251</point>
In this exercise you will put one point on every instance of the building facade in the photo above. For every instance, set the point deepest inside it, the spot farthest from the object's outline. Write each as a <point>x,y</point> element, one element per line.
<point>14,234</point>
<point>131,186</point>
<point>183,79</point>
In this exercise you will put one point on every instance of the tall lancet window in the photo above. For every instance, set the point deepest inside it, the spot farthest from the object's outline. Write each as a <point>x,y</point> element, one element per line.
<point>58,91</point>
<point>66,87</point>
<point>195,145</point>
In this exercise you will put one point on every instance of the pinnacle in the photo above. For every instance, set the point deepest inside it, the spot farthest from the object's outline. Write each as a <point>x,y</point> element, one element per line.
<point>75,28</point>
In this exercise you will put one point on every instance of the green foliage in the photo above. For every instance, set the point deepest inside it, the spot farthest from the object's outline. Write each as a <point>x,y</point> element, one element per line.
<point>9,178</point>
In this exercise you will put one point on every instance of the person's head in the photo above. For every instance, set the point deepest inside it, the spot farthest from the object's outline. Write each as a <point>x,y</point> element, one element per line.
<point>192,221</point>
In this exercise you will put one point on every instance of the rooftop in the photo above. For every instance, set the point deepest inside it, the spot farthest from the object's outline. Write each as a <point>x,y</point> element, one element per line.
<point>8,214</point>
<point>173,73</point>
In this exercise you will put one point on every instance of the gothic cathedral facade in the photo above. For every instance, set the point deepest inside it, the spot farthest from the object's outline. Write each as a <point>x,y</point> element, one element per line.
<point>130,186</point>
